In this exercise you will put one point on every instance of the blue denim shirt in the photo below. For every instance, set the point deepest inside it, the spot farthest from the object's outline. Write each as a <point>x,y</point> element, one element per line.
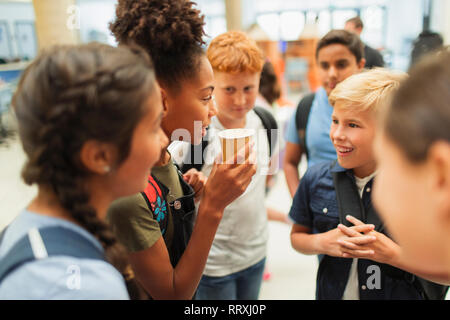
<point>314,204</point>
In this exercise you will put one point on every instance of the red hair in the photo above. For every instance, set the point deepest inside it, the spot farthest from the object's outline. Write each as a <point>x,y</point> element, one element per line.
<point>235,52</point>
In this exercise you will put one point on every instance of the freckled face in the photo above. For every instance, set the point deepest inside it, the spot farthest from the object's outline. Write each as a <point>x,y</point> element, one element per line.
<point>235,94</point>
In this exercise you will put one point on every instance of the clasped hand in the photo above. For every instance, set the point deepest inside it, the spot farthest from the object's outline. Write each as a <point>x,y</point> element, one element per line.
<point>362,241</point>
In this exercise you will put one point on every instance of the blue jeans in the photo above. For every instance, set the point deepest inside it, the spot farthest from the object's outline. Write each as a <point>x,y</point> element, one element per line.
<point>242,285</point>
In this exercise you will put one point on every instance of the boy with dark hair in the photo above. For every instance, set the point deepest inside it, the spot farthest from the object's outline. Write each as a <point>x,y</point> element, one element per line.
<point>339,54</point>
<point>235,265</point>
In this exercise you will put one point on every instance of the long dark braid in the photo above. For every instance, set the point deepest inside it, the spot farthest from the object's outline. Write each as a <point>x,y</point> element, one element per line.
<point>67,96</point>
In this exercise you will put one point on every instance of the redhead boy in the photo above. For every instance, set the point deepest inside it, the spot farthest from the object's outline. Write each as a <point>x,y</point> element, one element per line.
<point>236,261</point>
<point>339,54</point>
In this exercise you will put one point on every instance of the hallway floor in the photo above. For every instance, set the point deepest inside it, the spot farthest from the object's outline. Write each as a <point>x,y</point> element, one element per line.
<point>293,275</point>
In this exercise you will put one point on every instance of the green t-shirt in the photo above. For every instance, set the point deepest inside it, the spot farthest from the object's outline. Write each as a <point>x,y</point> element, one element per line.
<point>132,221</point>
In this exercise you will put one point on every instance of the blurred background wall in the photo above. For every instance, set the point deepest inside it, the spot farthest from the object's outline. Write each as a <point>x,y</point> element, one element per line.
<point>390,25</point>
<point>287,30</point>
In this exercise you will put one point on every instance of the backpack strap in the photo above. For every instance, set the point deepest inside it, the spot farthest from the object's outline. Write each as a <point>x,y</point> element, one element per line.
<point>155,197</point>
<point>48,242</point>
<point>152,191</point>
<point>271,126</point>
<point>182,213</point>
<point>349,202</point>
<point>302,116</point>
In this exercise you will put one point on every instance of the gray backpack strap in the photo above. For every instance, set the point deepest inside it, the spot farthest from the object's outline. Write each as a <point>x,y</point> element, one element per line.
<point>51,241</point>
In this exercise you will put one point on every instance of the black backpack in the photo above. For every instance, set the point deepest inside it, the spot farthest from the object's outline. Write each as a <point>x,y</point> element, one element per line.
<point>301,118</point>
<point>268,122</point>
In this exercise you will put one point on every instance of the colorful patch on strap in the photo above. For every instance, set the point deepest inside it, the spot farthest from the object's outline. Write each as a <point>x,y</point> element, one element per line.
<point>157,202</point>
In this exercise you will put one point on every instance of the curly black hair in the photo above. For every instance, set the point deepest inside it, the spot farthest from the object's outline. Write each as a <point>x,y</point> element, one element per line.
<point>171,31</point>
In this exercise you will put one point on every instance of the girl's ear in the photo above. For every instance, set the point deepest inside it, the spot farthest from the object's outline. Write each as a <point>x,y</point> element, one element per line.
<point>97,157</point>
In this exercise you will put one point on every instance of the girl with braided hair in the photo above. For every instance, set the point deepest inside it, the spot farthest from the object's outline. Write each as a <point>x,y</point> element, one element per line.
<point>89,121</point>
<point>167,251</point>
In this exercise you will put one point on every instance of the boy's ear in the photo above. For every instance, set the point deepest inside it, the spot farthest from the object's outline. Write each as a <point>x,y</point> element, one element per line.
<point>439,160</point>
<point>164,100</point>
<point>362,63</point>
<point>97,157</point>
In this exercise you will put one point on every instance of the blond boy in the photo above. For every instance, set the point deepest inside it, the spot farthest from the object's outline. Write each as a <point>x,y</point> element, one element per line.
<point>358,262</point>
<point>236,261</point>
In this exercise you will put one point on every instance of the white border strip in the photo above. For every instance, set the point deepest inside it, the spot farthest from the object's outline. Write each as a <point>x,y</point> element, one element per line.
<point>37,244</point>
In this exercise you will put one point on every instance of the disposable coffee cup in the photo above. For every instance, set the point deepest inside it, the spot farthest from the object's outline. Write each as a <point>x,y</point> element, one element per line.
<point>232,141</point>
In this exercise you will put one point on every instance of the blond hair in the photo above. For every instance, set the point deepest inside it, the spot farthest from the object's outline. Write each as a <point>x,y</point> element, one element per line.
<point>235,52</point>
<point>369,90</point>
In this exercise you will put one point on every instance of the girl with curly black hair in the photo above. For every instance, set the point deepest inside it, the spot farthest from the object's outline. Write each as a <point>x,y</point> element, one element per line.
<point>167,251</point>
